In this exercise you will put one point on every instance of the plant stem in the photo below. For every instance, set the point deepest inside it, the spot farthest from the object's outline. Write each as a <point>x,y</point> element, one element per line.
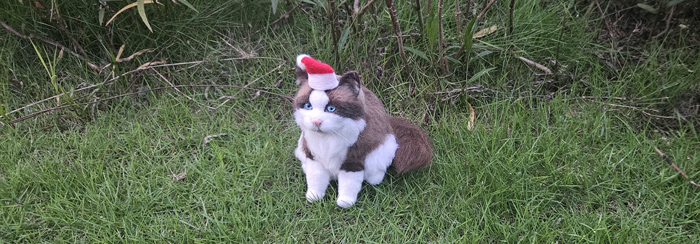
<point>335,28</point>
<point>441,39</point>
<point>512,6</point>
<point>483,10</point>
<point>397,31</point>
<point>420,16</point>
<point>458,21</point>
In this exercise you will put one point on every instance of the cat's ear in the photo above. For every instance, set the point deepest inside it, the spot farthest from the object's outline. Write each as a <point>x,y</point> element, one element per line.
<point>351,80</point>
<point>302,76</point>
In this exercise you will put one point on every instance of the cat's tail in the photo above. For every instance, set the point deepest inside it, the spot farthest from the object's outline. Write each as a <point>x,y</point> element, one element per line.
<point>415,151</point>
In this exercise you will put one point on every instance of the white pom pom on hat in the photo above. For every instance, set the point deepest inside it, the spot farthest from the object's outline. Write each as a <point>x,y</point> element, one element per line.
<point>321,75</point>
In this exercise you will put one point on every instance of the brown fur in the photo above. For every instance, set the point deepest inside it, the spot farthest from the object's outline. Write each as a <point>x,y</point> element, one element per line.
<point>375,116</point>
<point>306,149</point>
<point>414,150</point>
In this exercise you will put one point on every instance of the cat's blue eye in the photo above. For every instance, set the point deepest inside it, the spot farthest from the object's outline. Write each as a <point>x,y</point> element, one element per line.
<point>330,108</point>
<point>308,106</point>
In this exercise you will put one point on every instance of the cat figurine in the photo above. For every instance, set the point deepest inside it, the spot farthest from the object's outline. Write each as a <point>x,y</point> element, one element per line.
<point>346,134</point>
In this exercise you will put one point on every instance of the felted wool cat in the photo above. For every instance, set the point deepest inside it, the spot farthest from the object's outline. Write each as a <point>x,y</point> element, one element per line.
<point>346,134</point>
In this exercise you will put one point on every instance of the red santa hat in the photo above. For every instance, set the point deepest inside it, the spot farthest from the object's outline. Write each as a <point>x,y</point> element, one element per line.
<point>321,75</point>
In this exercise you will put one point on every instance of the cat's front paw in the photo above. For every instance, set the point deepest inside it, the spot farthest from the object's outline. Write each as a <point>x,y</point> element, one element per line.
<point>312,196</point>
<point>346,202</point>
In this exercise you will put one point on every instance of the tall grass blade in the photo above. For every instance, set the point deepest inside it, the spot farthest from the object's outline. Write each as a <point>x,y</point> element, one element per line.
<point>432,29</point>
<point>186,3</point>
<point>127,7</point>
<point>343,39</point>
<point>479,74</point>
<point>274,5</point>
<point>674,3</point>
<point>648,8</point>
<point>468,38</point>
<point>101,15</point>
<point>417,52</point>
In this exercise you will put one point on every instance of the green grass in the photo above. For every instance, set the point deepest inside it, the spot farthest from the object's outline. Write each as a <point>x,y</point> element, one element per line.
<point>542,165</point>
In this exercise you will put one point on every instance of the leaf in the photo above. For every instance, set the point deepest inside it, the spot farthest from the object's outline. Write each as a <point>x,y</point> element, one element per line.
<point>648,8</point>
<point>274,5</point>
<point>142,12</point>
<point>484,53</point>
<point>186,3</point>
<point>321,3</point>
<point>343,39</point>
<point>485,31</point>
<point>451,59</point>
<point>472,116</point>
<point>674,3</point>
<point>477,75</point>
<point>432,27</point>
<point>468,37</point>
<point>101,15</point>
<point>125,8</point>
<point>417,52</point>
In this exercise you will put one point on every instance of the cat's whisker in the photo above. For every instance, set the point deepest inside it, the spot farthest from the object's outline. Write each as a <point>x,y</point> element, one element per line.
<point>341,136</point>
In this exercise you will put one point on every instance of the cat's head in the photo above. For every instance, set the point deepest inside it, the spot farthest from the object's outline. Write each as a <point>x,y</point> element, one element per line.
<point>330,110</point>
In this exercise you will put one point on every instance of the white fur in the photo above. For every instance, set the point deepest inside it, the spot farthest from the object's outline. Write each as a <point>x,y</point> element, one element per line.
<point>379,160</point>
<point>349,185</point>
<point>318,99</point>
<point>299,63</point>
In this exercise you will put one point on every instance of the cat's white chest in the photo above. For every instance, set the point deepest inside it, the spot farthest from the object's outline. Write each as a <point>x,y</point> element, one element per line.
<point>330,149</point>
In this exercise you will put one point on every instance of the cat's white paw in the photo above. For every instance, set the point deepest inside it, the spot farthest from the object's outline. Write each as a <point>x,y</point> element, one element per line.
<point>314,196</point>
<point>375,179</point>
<point>345,202</point>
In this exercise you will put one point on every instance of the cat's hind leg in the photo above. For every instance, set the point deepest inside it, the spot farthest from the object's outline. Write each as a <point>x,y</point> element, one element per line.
<point>379,160</point>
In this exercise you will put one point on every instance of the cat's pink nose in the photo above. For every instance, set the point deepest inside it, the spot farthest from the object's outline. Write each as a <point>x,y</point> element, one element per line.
<point>316,122</point>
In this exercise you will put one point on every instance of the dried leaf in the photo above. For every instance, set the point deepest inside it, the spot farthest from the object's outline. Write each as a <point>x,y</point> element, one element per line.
<point>180,176</point>
<point>472,117</point>
<point>484,32</point>
<point>38,5</point>
<point>119,53</point>
<point>536,65</point>
<point>121,49</point>
<point>60,54</point>
<point>209,138</point>
<point>148,64</point>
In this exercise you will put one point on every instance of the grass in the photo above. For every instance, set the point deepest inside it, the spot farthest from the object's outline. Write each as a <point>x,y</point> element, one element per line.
<point>544,164</point>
